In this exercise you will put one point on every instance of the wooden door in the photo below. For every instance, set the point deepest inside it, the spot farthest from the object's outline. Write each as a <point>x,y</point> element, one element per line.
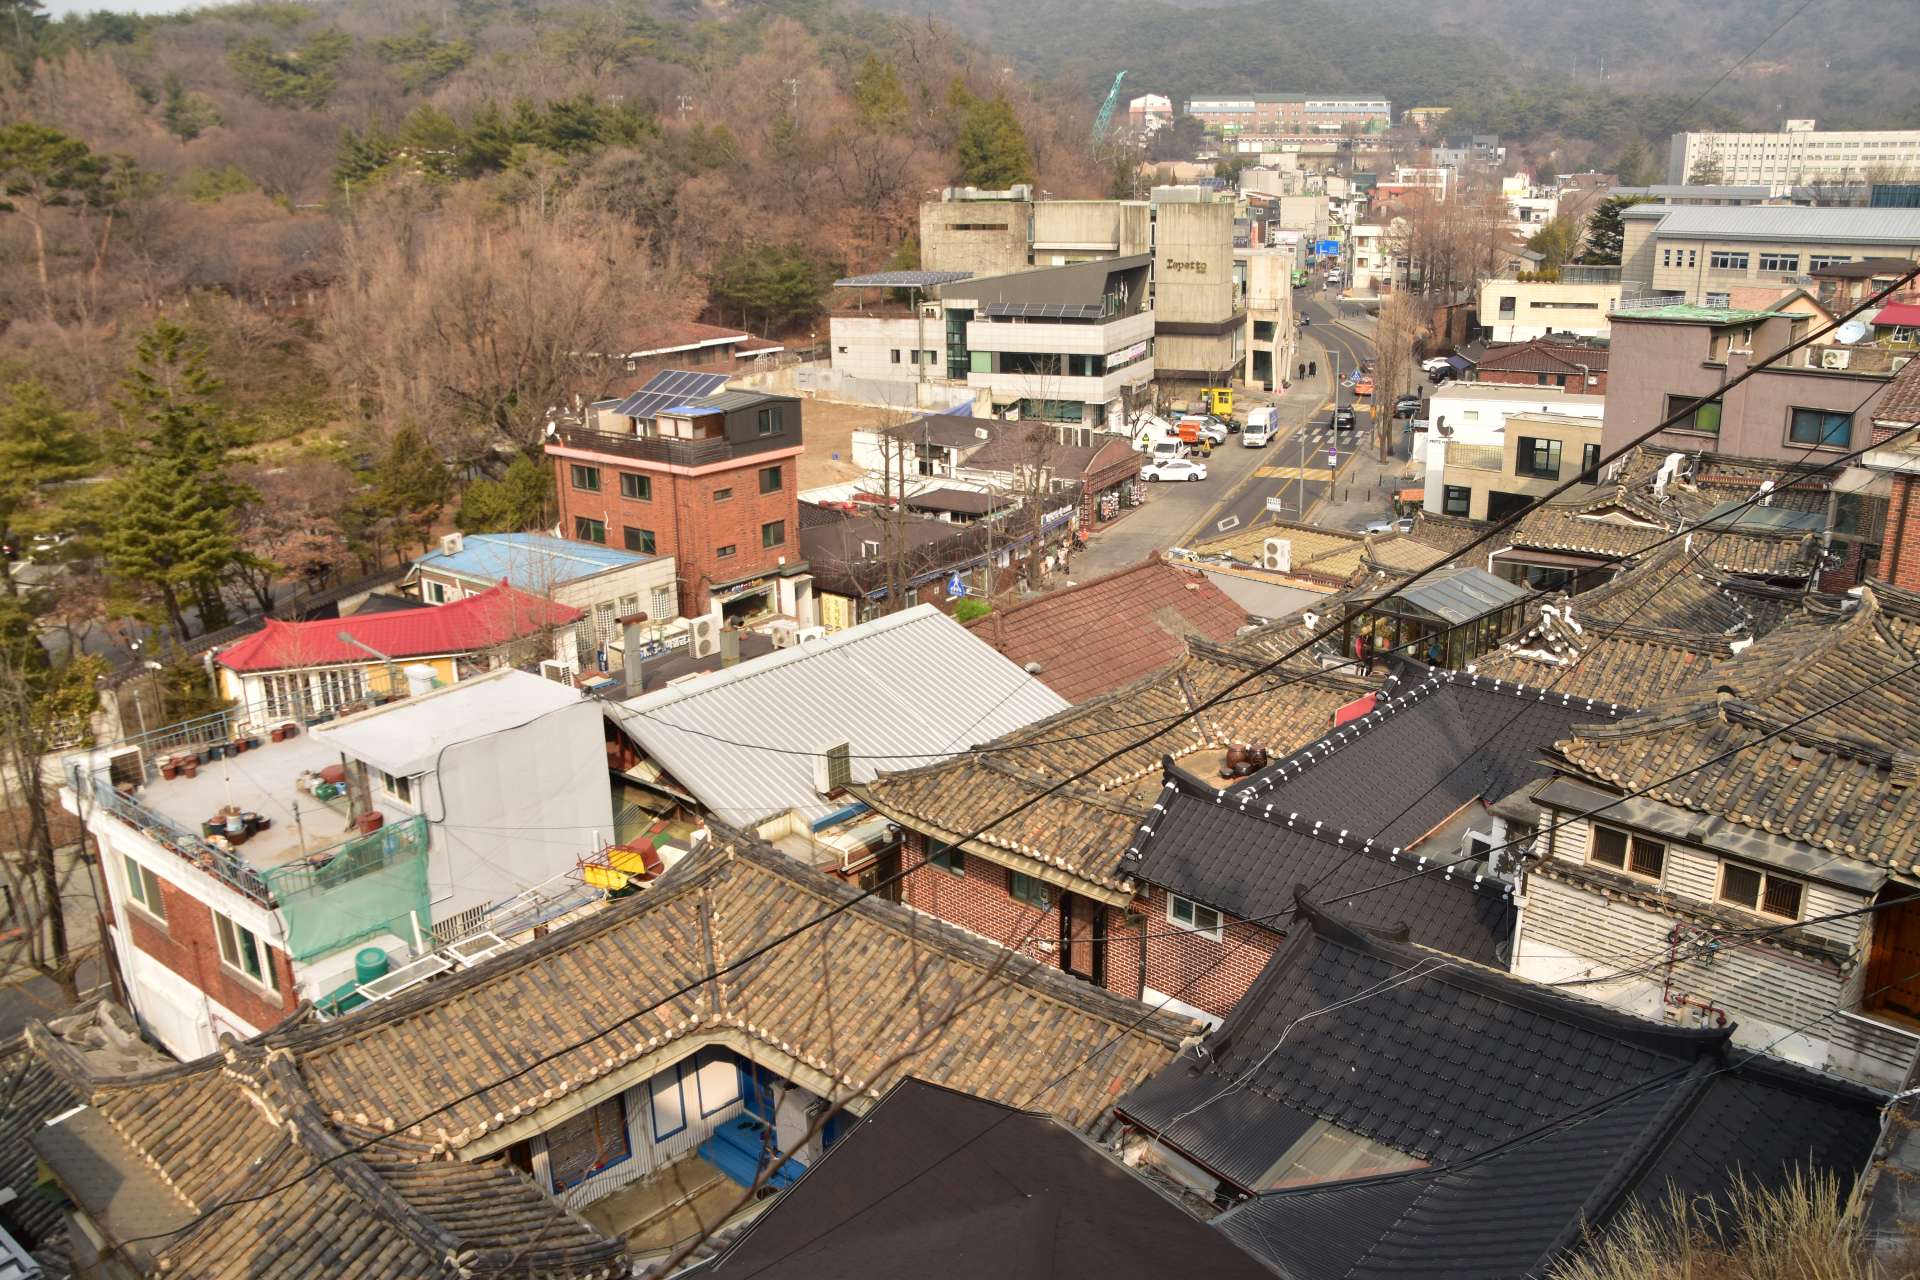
<point>1893,964</point>
<point>1082,952</point>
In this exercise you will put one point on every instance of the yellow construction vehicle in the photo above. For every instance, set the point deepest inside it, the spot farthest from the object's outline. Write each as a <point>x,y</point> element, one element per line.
<point>1218,401</point>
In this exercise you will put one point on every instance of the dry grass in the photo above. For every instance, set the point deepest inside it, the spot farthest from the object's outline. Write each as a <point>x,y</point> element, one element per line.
<point>829,430</point>
<point>1804,1231</point>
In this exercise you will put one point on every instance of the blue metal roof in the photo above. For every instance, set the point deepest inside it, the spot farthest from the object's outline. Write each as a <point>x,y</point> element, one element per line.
<point>531,562</point>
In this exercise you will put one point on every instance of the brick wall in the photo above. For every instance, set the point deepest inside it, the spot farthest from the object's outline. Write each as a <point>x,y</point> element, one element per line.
<point>978,900</point>
<point>1191,967</point>
<point>1900,549</point>
<point>185,943</point>
<point>693,516</point>
<point>1514,378</point>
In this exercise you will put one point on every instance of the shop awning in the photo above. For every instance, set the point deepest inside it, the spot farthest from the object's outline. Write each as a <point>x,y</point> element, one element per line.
<point>1460,363</point>
<point>1411,495</point>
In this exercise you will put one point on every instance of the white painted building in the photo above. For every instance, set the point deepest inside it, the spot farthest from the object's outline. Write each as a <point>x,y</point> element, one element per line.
<point>248,883</point>
<point>1797,155</point>
<point>1469,419</point>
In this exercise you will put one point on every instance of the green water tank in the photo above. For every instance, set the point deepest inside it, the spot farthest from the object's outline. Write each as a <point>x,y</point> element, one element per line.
<point>368,964</point>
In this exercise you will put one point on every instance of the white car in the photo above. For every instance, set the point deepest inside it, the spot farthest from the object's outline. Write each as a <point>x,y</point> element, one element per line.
<point>1174,469</point>
<point>1403,525</point>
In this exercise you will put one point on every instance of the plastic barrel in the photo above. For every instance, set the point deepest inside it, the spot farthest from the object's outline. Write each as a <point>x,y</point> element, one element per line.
<point>368,963</point>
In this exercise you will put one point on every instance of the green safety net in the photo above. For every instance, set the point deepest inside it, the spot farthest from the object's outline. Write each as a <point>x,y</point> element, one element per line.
<point>366,886</point>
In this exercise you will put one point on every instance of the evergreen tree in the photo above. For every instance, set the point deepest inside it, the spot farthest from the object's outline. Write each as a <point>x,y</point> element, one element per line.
<point>412,487</point>
<point>40,444</point>
<point>993,147</point>
<point>1557,243</point>
<point>186,115</point>
<point>519,500</point>
<point>1706,171</point>
<point>1606,232</point>
<point>1635,166</point>
<point>167,521</point>
<point>879,101</point>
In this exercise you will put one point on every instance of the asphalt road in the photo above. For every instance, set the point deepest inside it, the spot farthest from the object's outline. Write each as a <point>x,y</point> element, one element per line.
<point>1294,468</point>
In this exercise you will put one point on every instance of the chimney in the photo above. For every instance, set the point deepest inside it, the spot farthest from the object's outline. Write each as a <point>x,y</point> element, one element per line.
<point>633,639</point>
<point>729,646</point>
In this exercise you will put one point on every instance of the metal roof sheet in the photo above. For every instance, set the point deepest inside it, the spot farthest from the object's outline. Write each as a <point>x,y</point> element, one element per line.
<point>901,279</point>
<point>1790,222</point>
<point>912,687</point>
<point>1463,594</point>
<point>534,562</point>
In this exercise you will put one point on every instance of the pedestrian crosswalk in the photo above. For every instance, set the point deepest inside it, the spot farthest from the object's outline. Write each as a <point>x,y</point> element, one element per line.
<point>1295,473</point>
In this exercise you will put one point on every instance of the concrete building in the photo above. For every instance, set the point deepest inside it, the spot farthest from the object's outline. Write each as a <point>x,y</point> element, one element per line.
<point>237,892</point>
<point>1796,155</point>
<point>1283,113</point>
<point>1700,254</point>
<point>1150,112</point>
<point>1721,194</point>
<point>1522,310</point>
<point>1065,344</point>
<point>1467,416</point>
<point>1193,290</point>
<point>1820,401</point>
<point>1485,475</point>
<point>1270,335</point>
<point>1369,259</point>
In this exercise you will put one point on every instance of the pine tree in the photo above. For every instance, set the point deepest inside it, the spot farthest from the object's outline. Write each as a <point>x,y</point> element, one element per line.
<point>413,486</point>
<point>993,147</point>
<point>517,501</point>
<point>1606,231</point>
<point>41,444</point>
<point>1635,166</point>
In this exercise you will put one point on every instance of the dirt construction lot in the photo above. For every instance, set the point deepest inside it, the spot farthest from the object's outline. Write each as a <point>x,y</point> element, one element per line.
<point>829,435</point>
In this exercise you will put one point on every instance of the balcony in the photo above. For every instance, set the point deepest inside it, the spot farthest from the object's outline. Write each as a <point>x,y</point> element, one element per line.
<point>1475,457</point>
<point>673,453</point>
<point>292,846</point>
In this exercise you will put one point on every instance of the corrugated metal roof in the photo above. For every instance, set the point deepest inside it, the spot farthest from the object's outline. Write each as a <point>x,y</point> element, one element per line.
<point>901,279</point>
<point>1788,223</point>
<point>911,687</point>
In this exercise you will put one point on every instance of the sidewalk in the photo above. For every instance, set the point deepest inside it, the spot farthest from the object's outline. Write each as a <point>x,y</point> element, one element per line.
<point>1364,489</point>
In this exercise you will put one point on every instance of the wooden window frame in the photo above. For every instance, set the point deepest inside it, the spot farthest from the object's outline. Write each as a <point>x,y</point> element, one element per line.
<point>1767,878</point>
<point>1627,853</point>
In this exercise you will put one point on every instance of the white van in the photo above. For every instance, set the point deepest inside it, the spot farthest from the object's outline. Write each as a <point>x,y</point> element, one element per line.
<point>1261,426</point>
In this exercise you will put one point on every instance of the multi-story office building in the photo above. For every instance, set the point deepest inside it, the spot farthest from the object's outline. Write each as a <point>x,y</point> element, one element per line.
<point>1289,113</point>
<point>1195,289</point>
<point>1701,254</point>
<point>1063,344</point>
<point>1797,155</point>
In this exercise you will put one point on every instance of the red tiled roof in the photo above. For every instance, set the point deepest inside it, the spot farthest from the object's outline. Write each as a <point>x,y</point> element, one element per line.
<point>1906,313</point>
<point>1901,403</point>
<point>481,621</point>
<point>1541,356</point>
<point>1112,630</point>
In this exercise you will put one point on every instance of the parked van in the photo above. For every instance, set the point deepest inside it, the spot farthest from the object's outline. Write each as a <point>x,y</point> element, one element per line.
<point>1260,428</point>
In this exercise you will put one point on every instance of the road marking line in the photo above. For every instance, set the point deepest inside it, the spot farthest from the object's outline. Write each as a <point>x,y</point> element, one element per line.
<point>1227,524</point>
<point>1294,473</point>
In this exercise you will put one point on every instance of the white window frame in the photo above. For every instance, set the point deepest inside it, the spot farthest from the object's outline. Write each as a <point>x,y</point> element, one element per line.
<point>398,786</point>
<point>433,592</point>
<point>236,943</point>
<point>1760,897</point>
<point>1192,923</point>
<point>143,888</point>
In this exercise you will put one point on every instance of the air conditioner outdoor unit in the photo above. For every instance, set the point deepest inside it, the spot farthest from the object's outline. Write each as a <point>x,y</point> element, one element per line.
<point>451,544</point>
<point>556,671</point>
<point>810,633</point>
<point>1277,555</point>
<point>1835,358</point>
<point>705,631</point>
<point>833,768</point>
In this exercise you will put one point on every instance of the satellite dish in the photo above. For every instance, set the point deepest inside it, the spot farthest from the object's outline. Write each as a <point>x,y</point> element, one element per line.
<point>1852,331</point>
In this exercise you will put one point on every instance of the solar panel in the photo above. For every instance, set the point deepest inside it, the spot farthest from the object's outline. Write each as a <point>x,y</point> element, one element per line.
<point>668,388</point>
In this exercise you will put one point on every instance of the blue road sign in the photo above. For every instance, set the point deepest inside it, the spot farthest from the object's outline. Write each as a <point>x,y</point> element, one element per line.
<point>1326,248</point>
<point>955,587</point>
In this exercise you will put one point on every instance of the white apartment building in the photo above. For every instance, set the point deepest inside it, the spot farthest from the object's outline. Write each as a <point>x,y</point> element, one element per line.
<point>1521,310</point>
<point>1796,155</point>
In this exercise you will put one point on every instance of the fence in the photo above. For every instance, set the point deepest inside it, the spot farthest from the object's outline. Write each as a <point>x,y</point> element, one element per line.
<point>365,886</point>
<point>224,866</point>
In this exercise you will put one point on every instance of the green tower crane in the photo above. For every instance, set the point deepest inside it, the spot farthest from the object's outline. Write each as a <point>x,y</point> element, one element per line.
<point>1105,118</point>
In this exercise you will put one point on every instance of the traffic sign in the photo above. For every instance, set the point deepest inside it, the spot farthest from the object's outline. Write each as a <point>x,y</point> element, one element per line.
<point>1326,248</point>
<point>955,587</point>
<point>1333,456</point>
<point>1278,505</point>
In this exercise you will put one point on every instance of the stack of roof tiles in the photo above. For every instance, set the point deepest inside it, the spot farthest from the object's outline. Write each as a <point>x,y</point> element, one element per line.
<point>370,1142</point>
<point>1535,1115</point>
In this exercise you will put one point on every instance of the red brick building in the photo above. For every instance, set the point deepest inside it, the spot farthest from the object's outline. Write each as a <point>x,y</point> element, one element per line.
<point>711,481</point>
<point>1896,455</point>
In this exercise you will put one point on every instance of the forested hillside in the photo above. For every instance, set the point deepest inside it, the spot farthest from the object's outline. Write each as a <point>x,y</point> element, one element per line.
<point>285,286</point>
<point>1532,68</point>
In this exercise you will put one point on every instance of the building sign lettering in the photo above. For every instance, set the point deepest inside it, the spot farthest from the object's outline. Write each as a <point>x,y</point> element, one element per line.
<point>1192,264</point>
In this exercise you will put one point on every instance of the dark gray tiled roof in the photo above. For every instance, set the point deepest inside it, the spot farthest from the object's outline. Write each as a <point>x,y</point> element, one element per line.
<point>1540,1114</point>
<point>978,1189</point>
<point>1248,864</point>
